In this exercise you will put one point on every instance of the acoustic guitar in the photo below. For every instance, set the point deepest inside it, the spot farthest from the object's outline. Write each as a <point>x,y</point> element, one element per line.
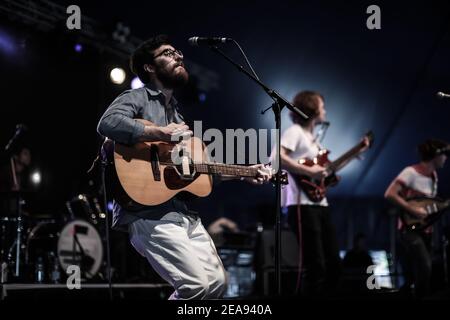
<point>151,173</point>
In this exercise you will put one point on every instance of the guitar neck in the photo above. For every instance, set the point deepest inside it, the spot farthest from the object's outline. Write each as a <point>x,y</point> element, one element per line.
<point>443,205</point>
<point>226,169</point>
<point>350,154</point>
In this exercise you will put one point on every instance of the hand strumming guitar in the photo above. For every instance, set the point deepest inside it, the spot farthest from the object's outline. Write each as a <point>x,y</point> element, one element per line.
<point>169,133</point>
<point>317,172</point>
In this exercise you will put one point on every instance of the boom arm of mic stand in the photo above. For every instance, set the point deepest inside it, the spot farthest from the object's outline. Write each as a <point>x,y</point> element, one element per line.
<point>11,141</point>
<point>272,93</point>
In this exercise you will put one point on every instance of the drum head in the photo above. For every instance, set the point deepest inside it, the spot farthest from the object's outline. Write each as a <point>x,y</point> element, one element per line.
<point>80,244</point>
<point>41,240</point>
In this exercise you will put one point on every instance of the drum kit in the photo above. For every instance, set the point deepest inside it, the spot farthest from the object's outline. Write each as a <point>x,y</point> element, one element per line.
<point>41,249</point>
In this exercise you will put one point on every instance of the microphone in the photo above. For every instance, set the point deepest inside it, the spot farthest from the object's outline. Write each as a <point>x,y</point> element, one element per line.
<point>442,95</point>
<point>200,41</point>
<point>325,123</point>
<point>21,127</point>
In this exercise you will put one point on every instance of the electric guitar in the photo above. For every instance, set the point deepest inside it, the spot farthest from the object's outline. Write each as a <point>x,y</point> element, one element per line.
<point>435,207</point>
<point>151,173</point>
<point>316,189</point>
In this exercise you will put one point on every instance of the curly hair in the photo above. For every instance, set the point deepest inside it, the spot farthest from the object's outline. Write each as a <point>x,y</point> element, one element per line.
<point>432,148</point>
<point>307,102</point>
<point>144,55</point>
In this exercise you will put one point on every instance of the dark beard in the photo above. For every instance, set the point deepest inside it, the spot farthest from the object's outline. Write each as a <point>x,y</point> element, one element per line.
<point>171,80</point>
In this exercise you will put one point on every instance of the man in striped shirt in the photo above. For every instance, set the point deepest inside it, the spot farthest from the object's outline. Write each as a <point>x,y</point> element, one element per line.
<point>418,180</point>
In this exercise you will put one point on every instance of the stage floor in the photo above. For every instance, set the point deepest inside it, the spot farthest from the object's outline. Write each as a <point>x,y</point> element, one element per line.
<point>87,291</point>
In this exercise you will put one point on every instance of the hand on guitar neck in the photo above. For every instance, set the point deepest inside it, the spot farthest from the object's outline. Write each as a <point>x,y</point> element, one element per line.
<point>264,175</point>
<point>366,142</point>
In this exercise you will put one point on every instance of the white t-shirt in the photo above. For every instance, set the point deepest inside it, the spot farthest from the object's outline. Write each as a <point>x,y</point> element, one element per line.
<point>417,183</point>
<point>301,144</point>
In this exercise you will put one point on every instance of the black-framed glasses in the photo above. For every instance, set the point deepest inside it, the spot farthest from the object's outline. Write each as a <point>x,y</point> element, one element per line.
<point>169,53</point>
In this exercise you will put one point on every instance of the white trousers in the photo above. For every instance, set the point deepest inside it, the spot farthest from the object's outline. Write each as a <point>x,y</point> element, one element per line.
<point>183,254</point>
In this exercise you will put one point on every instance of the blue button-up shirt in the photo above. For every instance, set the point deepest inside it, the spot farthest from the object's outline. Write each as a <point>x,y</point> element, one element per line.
<point>118,123</point>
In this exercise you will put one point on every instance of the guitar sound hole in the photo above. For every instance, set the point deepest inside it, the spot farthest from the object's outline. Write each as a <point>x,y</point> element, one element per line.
<point>173,180</point>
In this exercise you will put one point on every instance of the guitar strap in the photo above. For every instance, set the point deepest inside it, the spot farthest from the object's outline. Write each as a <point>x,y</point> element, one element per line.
<point>435,184</point>
<point>320,135</point>
<point>300,244</point>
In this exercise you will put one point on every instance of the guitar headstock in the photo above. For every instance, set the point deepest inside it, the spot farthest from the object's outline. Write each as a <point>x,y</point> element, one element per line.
<point>283,177</point>
<point>370,136</point>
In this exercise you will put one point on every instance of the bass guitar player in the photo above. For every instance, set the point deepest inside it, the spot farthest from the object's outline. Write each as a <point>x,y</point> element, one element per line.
<point>304,196</point>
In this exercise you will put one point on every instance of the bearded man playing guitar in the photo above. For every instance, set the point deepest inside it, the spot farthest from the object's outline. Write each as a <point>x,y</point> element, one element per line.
<point>304,196</point>
<point>142,123</point>
<point>414,190</point>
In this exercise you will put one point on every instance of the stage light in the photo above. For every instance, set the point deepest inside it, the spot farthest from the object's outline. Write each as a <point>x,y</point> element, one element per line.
<point>7,43</point>
<point>78,47</point>
<point>121,33</point>
<point>136,83</point>
<point>36,177</point>
<point>117,75</point>
<point>202,97</point>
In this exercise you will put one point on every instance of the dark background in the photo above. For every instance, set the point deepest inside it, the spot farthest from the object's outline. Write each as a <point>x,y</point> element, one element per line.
<point>385,80</point>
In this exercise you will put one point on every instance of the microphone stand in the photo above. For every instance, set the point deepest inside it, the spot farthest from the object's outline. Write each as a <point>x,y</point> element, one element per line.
<point>85,261</point>
<point>19,201</point>
<point>104,164</point>
<point>277,106</point>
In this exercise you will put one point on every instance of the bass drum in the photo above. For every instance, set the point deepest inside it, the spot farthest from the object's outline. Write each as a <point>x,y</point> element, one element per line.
<point>76,243</point>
